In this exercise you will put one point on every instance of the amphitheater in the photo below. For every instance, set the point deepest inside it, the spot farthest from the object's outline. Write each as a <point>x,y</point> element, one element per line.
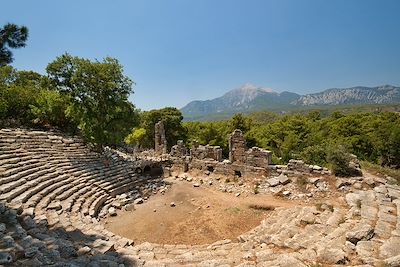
<point>54,191</point>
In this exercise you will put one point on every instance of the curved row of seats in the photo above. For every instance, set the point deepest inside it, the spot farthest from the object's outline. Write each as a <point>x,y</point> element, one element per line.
<point>60,183</point>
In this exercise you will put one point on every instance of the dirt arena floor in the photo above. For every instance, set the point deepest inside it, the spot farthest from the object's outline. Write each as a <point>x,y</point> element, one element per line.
<point>201,215</point>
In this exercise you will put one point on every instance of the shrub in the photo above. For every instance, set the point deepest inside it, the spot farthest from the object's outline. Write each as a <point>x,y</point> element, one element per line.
<point>314,155</point>
<point>49,109</point>
<point>339,160</point>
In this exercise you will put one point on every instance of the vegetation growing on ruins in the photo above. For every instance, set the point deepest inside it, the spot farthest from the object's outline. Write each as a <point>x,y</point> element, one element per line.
<point>373,137</point>
<point>143,135</point>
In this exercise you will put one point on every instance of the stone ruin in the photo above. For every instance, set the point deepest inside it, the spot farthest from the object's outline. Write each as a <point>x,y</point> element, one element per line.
<point>237,147</point>
<point>160,140</point>
<point>238,153</point>
<point>205,152</point>
<point>179,150</point>
<point>54,190</point>
<point>242,161</point>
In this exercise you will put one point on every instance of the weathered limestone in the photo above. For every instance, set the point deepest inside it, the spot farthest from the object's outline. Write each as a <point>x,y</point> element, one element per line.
<point>237,147</point>
<point>179,150</point>
<point>160,139</point>
<point>258,157</point>
<point>205,152</point>
<point>238,153</point>
<point>56,182</point>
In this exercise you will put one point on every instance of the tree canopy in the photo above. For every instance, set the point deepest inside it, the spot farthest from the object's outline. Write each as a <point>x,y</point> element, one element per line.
<point>99,93</point>
<point>11,36</point>
<point>172,119</point>
<point>374,137</point>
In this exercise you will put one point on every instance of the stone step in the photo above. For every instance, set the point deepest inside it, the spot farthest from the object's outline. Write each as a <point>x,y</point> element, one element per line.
<point>5,188</point>
<point>97,203</point>
<point>66,194</point>
<point>35,199</point>
<point>68,203</point>
<point>44,202</point>
<point>387,213</point>
<point>397,231</point>
<point>83,198</point>
<point>89,200</point>
<point>35,180</point>
<point>39,185</point>
<point>22,171</point>
<point>27,161</point>
<point>123,187</point>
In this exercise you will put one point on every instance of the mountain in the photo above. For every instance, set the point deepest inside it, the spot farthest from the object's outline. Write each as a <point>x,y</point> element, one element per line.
<point>250,98</point>
<point>355,95</point>
<point>243,99</point>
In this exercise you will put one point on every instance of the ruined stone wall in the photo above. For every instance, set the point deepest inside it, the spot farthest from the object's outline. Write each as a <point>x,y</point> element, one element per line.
<point>179,150</point>
<point>160,140</point>
<point>206,152</point>
<point>237,147</point>
<point>227,169</point>
<point>238,153</point>
<point>258,157</point>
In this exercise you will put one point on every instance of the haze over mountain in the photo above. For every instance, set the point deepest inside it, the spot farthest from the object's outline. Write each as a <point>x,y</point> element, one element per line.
<point>253,98</point>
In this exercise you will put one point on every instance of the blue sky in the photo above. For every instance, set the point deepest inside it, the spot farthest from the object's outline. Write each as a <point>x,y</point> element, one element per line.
<point>181,50</point>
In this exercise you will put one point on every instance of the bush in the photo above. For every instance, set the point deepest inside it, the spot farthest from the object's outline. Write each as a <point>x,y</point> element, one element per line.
<point>314,155</point>
<point>16,102</point>
<point>49,109</point>
<point>339,160</point>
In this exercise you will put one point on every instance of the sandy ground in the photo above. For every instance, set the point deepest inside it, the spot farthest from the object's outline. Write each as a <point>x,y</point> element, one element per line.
<point>201,216</point>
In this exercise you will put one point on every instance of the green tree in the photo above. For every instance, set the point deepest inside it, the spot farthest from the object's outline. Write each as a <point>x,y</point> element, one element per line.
<point>11,36</point>
<point>136,137</point>
<point>238,121</point>
<point>48,109</point>
<point>99,94</point>
<point>172,119</point>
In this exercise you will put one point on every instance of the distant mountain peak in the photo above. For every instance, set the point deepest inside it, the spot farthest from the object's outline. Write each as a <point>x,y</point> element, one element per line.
<point>249,87</point>
<point>250,97</point>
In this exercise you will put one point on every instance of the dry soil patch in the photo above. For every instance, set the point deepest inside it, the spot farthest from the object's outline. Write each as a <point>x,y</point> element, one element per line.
<point>200,216</point>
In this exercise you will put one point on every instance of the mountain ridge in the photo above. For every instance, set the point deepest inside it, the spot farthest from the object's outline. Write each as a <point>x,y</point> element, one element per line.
<point>250,98</point>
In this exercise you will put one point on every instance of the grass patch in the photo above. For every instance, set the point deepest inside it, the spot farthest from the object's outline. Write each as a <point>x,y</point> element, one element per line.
<point>377,169</point>
<point>233,210</point>
<point>301,182</point>
<point>256,190</point>
<point>305,223</point>
<point>261,207</point>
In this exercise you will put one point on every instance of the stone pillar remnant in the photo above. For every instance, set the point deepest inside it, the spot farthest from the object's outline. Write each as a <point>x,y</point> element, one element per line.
<point>179,150</point>
<point>160,140</point>
<point>237,147</point>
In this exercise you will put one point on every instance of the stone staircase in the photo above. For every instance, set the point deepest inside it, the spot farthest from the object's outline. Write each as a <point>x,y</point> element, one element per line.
<point>50,182</point>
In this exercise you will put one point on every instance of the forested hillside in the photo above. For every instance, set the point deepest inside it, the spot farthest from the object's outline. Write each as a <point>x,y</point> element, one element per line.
<point>374,137</point>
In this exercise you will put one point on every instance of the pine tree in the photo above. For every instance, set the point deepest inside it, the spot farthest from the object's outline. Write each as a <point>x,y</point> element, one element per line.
<point>11,36</point>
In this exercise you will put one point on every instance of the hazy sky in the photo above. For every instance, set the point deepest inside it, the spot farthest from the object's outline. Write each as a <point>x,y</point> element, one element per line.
<point>181,50</point>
